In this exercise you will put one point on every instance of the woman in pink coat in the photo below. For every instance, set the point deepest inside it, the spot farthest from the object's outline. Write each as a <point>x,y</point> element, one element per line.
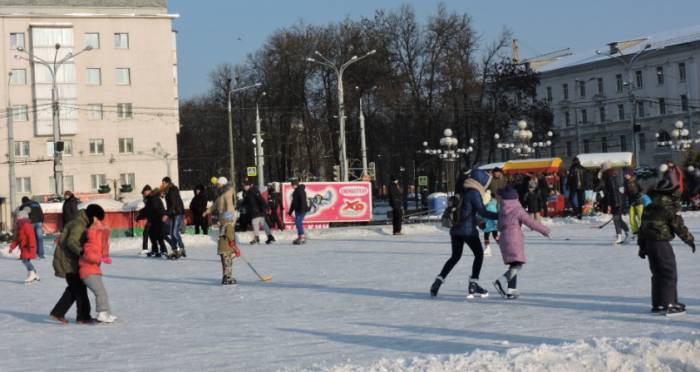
<point>511,216</point>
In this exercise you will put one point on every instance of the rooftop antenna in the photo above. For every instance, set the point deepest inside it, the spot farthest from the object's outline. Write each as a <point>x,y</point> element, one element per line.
<point>516,51</point>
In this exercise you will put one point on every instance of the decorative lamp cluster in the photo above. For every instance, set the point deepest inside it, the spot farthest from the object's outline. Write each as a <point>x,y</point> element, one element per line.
<point>450,150</point>
<point>522,137</point>
<point>680,138</point>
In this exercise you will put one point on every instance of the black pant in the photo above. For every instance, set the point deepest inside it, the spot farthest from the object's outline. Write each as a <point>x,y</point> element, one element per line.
<point>580,200</point>
<point>664,277</point>
<point>274,221</point>
<point>620,225</point>
<point>144,243</point>
<point>458,247</point>
<point>202,223</point>
<point>397,218</point>
<point>75,292</point>
<point>155,233</point>
<point>492,233</point>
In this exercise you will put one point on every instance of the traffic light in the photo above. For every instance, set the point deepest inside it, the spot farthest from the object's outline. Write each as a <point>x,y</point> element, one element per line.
<point>336,173</point>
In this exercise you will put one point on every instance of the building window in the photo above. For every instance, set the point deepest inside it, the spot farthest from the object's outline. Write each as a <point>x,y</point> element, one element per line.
<point>601,111</point>
<point>18,77</point>
<point>549,94</point>
<point>67,148</point>
<point>567,119</point>
<point>123,76</point>
<point>662,106</point>
<point>640,109</point>
<point>17,40</point>
<point>569,151</point>
<point>584,116</point>
<point>97,146</point>
<point>623,143</point>
<point>97,180</point>
<point>639,79</point>
<point>681,71</point>
<point>124,111</point>
<point>620,84</point>
<point>684,102</point>
<point>23,184</point>
<point>20,113</point>
<point>565,90</point>
<point>68,183</point>
<point>94,76</point>
<point>621,112</point>
<point>121,40</point>
<point>126,145</point>
<point>127,179</point>
<point>92,39</point>
<point>601,87</point>
<point>22,149</point>
<point>660,75</point>
<point>604,144</point>
<point>586,146</point>
<point>95,111</point>
<point>642,140</point>
<point>581,88</point>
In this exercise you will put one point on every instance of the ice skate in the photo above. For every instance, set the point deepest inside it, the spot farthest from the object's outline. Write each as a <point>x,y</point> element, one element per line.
<point>144,252</point>
<point>658,310</point>
<point>619,240</point>
<point>627,237</point>
<point>674,310</point>
<point>512,294</point>
<point>32,277</point>
<point>487,251</point>
<point>59,319</point>
<point>500,284</point>
<point>436,286</point>
<point>475,290</point>
<point>256,240</point>
<point>228,281</point>
<point>270,239</point>
<point>105,317</point>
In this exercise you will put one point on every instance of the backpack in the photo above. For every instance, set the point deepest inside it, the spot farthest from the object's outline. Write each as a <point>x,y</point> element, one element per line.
<point>451,217</point>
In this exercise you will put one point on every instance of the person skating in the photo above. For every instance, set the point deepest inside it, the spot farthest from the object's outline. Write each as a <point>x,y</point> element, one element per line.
<point>490,226</point>
<point>198,206</point>
<point>153,211</point>
<point>227,248</point>
<point>577,187</point>
<point>255,208</point>
<point>472,190</point>
<point>635,197</point>
<point>224,202</point>
<point>613,199</point>
<point>396,204</point>
<point>36,216</point>
<point>533,199</point>
<point>274,207</point>
<point>510,218</point>
<point>299,207</point>
<point>175,213</point>
<point>96,252</point>
<point>66,265</point>
<point>661,221</point>
<point>25,239</point>
<point>69,208</point>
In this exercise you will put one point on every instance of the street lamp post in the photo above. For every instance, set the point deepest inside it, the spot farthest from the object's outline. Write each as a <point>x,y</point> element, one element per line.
<point>449,154</point>
<point>341,101</point>
<point>258,146</point>
<point>53,70</point>
<point>363,141</point>
<point>679,138</point>
<point>11,149</point>
<point>522,137</point>
<point>232,162</point>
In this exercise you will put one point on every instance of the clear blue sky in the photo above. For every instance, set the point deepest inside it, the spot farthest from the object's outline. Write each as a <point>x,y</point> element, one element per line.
<point>209,30</point>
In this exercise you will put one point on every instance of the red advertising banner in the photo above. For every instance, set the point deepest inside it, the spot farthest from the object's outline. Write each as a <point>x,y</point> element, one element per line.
<point>332,202</point>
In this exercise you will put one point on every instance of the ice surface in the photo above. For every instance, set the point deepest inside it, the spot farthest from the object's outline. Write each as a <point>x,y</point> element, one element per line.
<point>356,299</point>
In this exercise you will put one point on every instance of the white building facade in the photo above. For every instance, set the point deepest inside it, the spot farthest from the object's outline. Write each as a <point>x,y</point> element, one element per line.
<point>118,101</point>
<point>594,95</point>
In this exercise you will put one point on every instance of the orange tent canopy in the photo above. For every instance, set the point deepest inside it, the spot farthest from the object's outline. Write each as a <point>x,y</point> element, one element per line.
<point>546,165</point>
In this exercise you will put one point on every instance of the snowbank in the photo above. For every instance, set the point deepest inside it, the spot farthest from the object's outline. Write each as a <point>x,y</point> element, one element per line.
<point>604,354</point>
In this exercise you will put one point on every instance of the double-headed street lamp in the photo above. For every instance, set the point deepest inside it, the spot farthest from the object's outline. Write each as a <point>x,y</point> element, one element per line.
<point>232,162</point>
<point>522,144</point>
<point>449,154</point>
<point>52,67</point>
<point>341,104</point>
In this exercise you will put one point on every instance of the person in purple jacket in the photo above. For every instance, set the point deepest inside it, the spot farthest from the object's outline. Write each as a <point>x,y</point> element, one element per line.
<point>511,216</point>
<point>472,191</point>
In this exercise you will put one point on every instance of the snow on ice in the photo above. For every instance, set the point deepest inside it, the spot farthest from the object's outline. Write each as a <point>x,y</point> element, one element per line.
<point>356,299</point>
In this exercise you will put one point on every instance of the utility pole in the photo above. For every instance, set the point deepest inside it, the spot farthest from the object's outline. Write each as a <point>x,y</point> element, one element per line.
<point>232,162</point>
<point>259,149</point>
<point>363,141</point>
<point>11,149</point>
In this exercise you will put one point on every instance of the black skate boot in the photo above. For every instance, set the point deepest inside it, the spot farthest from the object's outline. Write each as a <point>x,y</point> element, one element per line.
<point>475,290</point>
<point>255,241</point>
<point>436,286</point>
<point>675,310</point>
<point>270,239</point>
<point>228,281</point>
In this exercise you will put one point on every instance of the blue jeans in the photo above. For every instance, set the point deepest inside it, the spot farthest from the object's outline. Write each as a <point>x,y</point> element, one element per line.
<point>39,239</point>
<point>299,222</point>
<point>28,265</point>
<point>175,228</point>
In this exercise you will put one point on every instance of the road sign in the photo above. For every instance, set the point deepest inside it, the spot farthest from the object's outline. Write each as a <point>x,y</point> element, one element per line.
<point>252,171</point>
<point>422,180</point>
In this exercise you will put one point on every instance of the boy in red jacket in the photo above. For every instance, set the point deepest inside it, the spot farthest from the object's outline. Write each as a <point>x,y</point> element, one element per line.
<point>95,252</point>
<point>25,238</point>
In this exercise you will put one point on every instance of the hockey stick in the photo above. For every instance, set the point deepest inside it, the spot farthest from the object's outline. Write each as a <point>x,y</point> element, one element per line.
<point>263,278</point>
<point>603,225</point>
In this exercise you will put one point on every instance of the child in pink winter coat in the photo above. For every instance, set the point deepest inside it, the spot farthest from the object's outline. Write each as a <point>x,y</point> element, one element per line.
<point>512,242</point>
<point>95,252</point>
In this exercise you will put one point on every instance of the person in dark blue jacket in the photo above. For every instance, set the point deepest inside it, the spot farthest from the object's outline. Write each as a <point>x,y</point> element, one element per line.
<point>472,190</point>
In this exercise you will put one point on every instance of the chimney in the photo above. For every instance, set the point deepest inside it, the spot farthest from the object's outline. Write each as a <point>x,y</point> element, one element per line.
<point>613,48</point>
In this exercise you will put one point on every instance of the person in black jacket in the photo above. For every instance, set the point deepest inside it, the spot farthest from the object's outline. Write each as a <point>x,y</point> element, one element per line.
<point>256,208</point>
<point>396,204</point>
<point>176,215</point>
<point>36,216</point>
<point>154,211</point>
<point>70,207</point>
<point>198,206</point>
<point>299,207</point>
<point>577,187</point>
<point>613,200</point>
<point>274,207</point>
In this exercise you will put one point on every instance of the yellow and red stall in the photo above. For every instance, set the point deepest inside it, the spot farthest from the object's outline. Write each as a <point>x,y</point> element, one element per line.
<point>552,169</point>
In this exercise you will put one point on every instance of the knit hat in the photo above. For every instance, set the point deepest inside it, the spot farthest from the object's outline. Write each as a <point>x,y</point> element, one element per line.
<point>663,168</point>
<point>222,181</point>
<point>146,188</point>
<point>508,193</point>
<point>95,211</point>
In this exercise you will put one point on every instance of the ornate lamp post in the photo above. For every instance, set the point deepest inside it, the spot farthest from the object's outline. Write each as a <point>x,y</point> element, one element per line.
<point>678,140</point>
<point>449,154</point>
<point>522,145</point>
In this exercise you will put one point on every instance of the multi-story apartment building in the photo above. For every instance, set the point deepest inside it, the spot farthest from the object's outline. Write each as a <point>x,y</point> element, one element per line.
<point>594,94</point>
<point>118,101</point>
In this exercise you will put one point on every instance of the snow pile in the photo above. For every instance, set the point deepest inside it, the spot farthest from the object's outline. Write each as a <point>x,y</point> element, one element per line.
<point>109,205</point>
<point>603,354</point>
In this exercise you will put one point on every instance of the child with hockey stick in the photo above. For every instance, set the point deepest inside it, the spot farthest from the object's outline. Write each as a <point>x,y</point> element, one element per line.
<point>490,226</point>
<point>227,248</point>
<point>95,252</point>
<point>510,218</point>
<point>25,238</point>
<point>661,221</point>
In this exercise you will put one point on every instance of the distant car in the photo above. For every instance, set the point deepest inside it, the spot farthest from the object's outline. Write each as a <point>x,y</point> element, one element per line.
<point>645,171</point>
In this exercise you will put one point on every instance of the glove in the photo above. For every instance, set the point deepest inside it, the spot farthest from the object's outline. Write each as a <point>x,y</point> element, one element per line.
<point>642,254</point>
<point>107,260</point>
<point>12,248</point>
<point>692,246</point>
